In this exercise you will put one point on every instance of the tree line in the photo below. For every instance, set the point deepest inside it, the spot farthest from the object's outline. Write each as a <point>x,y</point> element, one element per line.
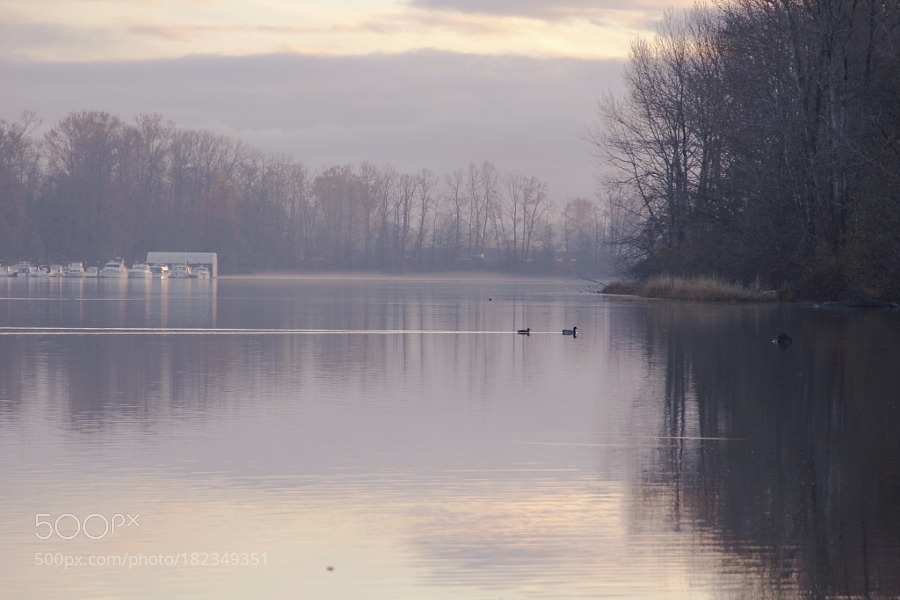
<point>94,186</point>
<point>760,140</point>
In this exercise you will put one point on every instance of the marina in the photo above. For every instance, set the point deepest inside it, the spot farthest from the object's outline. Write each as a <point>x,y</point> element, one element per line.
<point>158,265</point>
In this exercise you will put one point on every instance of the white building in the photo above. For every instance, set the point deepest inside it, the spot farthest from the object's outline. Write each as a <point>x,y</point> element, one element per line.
<point>210,260</point>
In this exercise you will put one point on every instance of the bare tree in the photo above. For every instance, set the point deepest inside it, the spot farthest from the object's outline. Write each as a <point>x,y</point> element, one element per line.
<point>20,178</point>
<point>534,207</point>
<point>405,202</point>
<point>427,183</point>
<point>85,153</point>
<point>454,184</point>
<point>386,190</point>
<point>662,138</point>
<point>368,182</point>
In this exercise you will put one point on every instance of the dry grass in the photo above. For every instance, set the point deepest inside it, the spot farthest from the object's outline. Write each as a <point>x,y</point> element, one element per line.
<point>705,289</point>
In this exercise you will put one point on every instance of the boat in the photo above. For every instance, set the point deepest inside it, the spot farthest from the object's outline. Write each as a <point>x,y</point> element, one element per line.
<point>181,271</point>
<point>160,271</point>
<point>92,272</point>
<point>41,272</point>
<point>114,269</point>
<point>23,269</point>
<point>5,271</point>
<point>74,269</point>
<point>201,272</point>
<point>140,271</point>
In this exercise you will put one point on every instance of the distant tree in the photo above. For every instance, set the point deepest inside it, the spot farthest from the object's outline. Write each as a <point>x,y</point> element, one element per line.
<point>86,205</point>
<point>146,167</point>
<point>96,187</point>
<point>368,181</point>
<point>585,243</point>
<point>454,192</point>
<point>407,191</point>
<point>426,185</point>
<point>20,180</point>
<point>337,192</point>
<point>386,192</point>
<point>523,204</point>
<point>482,185</point>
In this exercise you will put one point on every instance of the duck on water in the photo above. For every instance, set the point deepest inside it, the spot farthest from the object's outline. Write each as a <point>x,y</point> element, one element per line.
<point>783,340</point>
<point>573,332</point>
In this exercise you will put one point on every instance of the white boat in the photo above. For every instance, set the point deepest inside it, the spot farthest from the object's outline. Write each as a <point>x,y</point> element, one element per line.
<point>92,272</point>
<point>23,269</point>
<point>5,271</point>
<point>160,271</point>
<point>75,269</point>
<point>41,272</point>
<point>140,271</point>
<point>114,269</point>
<point>201,272</point>
<point>182,271</point>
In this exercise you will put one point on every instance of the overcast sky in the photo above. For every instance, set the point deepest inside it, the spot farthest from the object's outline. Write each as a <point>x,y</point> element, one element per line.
<point>411,83</point>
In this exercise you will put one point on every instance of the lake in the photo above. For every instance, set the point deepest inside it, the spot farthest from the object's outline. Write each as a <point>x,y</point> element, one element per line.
<point>347,438</point>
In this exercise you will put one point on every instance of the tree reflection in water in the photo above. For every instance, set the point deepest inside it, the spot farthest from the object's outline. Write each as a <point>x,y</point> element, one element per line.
<point>790,457</point>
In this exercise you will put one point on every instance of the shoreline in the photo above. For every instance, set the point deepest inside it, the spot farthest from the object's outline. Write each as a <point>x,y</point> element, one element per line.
<point>716,290</point>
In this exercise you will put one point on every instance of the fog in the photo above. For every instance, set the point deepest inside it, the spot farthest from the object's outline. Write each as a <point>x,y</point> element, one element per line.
<point>425,109</point>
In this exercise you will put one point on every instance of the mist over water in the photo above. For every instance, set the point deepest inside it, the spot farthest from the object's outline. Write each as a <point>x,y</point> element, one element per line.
<point>395,438</point>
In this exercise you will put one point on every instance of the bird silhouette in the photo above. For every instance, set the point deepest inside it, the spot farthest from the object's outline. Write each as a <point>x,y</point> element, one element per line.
<point>783,340</point>
<point>524,331</point>
<point>573,332</point>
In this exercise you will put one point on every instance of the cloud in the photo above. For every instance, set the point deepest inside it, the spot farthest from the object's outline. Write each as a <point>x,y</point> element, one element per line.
<point>171,33</point>
<point>153,29</point>
<point>424,109</point>
<point>19,37</point>
<point>460,23</point>
<point>188,33</point>
<point>548,10</point>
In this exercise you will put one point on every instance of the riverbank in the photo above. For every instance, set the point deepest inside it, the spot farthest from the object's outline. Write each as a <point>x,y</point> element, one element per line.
<point>704,289</point>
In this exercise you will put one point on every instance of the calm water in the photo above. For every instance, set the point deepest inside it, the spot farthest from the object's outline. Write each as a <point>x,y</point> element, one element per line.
<point>393,438</point>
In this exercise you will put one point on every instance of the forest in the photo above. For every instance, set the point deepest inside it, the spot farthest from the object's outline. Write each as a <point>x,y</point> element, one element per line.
<point>93,187</point>
<point>759,140</point>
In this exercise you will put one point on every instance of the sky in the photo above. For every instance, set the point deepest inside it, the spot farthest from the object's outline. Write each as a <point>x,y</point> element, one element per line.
<point>414,84</point>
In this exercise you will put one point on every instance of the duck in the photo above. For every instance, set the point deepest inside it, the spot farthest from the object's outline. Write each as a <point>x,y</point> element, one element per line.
<point>572,332</point>
<point>524,331</point>
<point>783,340</point>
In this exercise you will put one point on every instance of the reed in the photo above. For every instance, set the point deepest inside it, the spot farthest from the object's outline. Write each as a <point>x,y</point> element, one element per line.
<point>704,289</point>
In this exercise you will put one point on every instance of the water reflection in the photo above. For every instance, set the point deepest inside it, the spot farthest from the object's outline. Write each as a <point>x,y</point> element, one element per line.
<point>103,302</point>
<point>669,451</point>
<point>810,495</point>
